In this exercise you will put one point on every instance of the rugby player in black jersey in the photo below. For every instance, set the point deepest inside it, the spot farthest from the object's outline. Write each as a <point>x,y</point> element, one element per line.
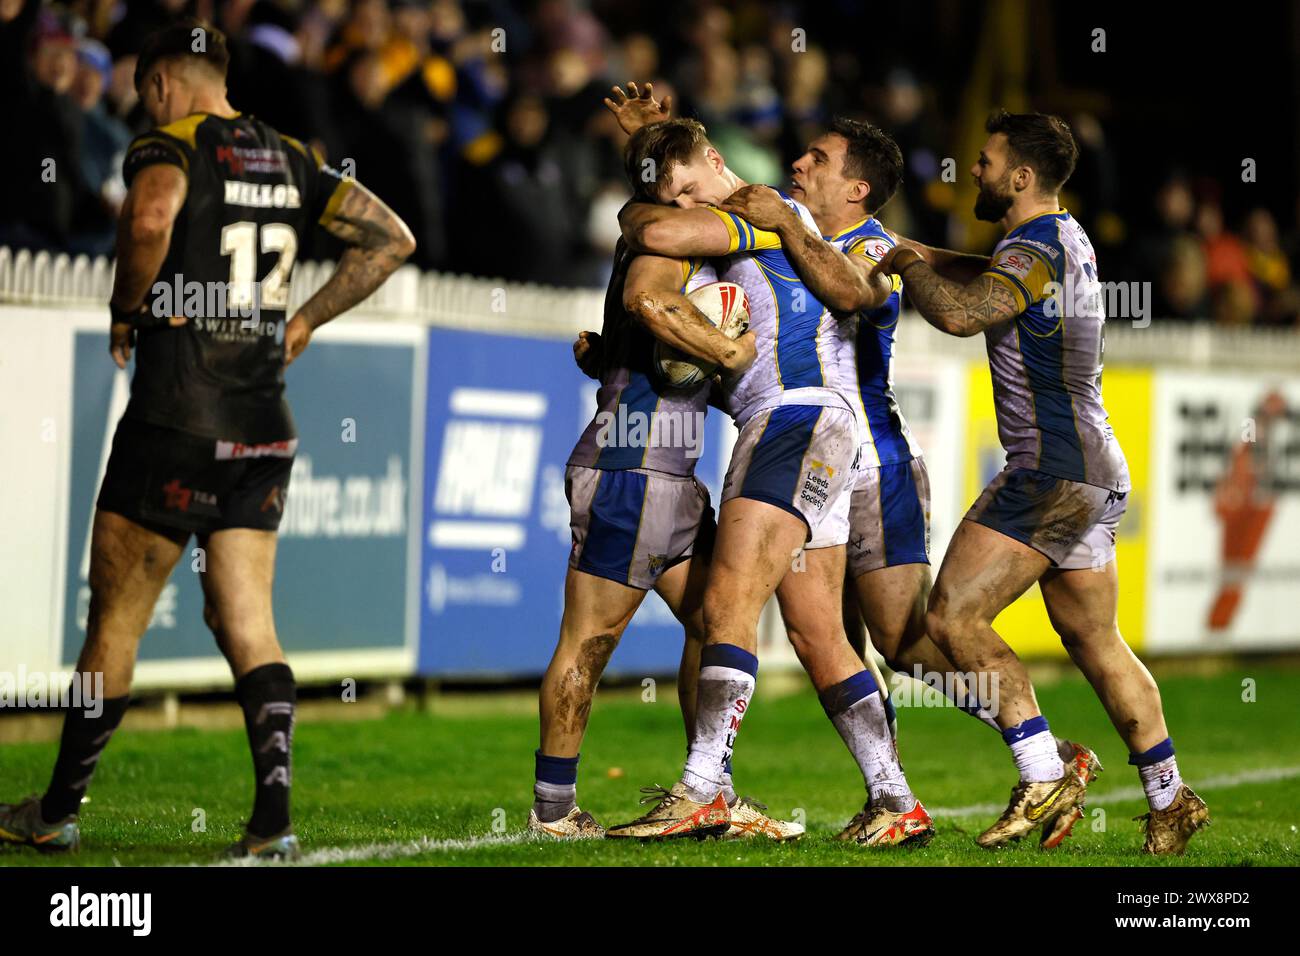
<point>218,206</point>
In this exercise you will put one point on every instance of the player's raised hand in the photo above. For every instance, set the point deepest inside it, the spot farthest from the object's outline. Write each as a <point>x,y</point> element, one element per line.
<point>297,335</point>
<point>639,109</point>
<point>760,206</point>
<point>586,352</point>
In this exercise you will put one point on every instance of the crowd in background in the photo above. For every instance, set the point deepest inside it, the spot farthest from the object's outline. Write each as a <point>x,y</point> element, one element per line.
<point>480,122</point>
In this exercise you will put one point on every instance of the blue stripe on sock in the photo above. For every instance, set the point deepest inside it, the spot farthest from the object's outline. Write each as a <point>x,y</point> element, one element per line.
<point>1161,751</point>
<point>729,655</point>
<point>727,766</point>
<point>891,715</point>
<point>1029,728</point>
<point>562,771</point>
<point>839,698</point>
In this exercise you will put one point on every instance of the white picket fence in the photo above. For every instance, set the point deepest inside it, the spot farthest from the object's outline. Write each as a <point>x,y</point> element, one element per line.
<point>494,305</point>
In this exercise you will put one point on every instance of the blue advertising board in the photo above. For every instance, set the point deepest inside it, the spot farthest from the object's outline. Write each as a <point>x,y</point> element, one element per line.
<point>341,580</point>
<point>503,415</point>
<point>485,544</point>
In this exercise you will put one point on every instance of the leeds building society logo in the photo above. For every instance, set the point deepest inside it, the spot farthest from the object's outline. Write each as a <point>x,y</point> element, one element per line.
<point>817,486</point>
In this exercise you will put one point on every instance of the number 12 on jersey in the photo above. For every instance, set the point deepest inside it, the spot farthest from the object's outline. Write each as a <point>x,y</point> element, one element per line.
<point>240,241</point>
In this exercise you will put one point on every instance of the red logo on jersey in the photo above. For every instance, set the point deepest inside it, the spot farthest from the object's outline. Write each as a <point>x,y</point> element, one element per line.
<point>877,249</point>
<point>226,154</point>
<point>251,159</point>
<point>176,495</point>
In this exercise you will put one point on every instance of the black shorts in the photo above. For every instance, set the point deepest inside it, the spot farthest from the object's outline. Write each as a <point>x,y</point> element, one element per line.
<point>160,477</point>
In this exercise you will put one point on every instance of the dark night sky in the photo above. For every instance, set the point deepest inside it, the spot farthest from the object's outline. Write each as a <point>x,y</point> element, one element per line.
<point>1199,92</point>
<point>1180,85</point>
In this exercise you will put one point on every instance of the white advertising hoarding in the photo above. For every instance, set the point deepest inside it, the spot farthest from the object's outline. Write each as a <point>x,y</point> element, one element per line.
<point>1225,539</point>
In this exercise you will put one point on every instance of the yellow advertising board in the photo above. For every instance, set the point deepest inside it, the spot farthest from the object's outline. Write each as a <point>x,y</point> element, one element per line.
<point>1128,395</point>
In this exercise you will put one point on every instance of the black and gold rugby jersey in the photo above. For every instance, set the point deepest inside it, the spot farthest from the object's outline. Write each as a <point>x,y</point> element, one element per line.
<point>254,196</point>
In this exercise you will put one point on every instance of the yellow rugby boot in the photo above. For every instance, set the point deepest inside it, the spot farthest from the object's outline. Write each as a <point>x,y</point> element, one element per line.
<point>1169,830</point>
<point>879,826</point>
<point>675,815</point>
<point>749,821</point>
<point>577,824</point>
<point>1051,804</point>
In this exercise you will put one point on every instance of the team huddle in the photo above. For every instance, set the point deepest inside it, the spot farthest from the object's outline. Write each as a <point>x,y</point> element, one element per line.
<point>825,502</point>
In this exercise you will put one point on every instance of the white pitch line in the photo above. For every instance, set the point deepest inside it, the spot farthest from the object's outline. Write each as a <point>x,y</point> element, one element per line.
<point>388,851</point>
<point>409,848</point>
<point>1121,794</point>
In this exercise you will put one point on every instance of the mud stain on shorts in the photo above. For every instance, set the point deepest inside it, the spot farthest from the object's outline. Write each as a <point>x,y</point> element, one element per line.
<point>1066,514</point>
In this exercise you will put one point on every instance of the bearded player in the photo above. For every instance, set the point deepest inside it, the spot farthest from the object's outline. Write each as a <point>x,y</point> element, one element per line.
<point>207,442</point>
<point>845,177</point>
<point>1050,516</point>
<point>788,482</point>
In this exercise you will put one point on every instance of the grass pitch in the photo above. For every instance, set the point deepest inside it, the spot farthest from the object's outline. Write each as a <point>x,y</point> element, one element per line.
<point>453,787</point>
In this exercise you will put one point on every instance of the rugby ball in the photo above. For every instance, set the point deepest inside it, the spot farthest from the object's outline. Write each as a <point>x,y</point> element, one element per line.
<point>727,307</point>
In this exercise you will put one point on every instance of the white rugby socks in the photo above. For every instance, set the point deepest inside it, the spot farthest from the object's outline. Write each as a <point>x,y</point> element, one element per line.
<point>555,786</point>
<point>1034,749</point>
<point>855,708</point>
<point>1158,769</point>
<point>727,677</point>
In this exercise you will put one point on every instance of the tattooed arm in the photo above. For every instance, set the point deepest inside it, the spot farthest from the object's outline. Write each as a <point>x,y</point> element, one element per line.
<point>958,266</point>
<point>378,242</point>
<point>957,308</point>
<point>844,283</point>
